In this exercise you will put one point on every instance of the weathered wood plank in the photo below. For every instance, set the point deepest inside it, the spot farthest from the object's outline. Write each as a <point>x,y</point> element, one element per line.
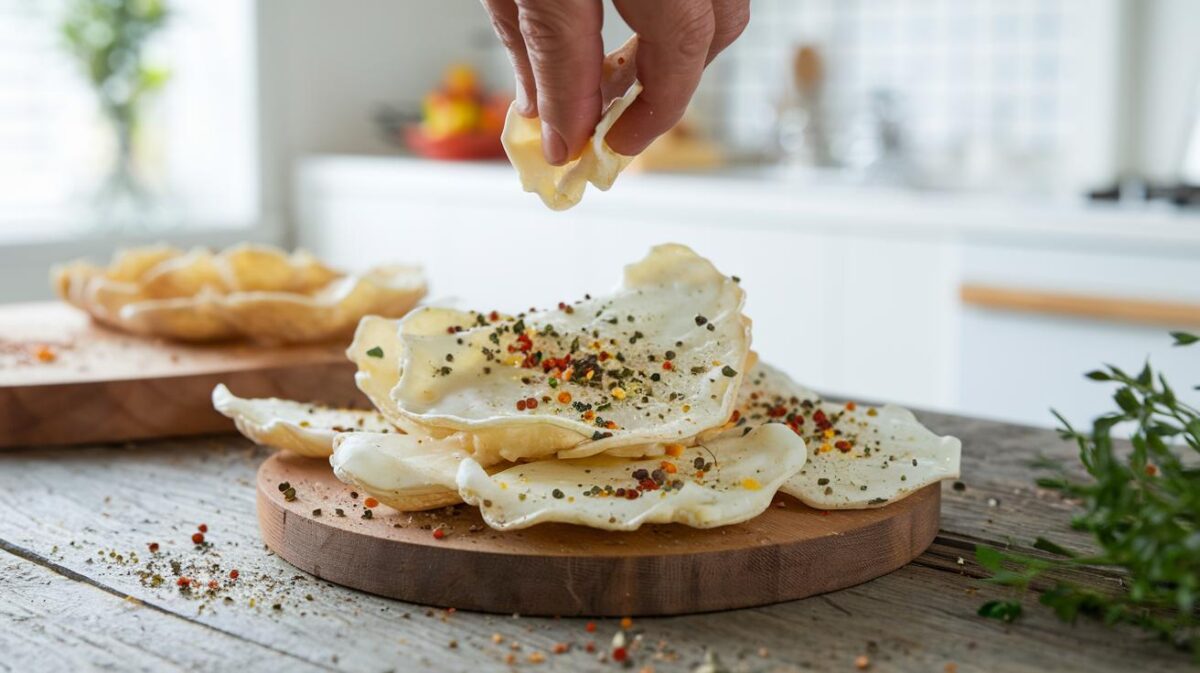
<point>54,623</point>
<point>919,618</point>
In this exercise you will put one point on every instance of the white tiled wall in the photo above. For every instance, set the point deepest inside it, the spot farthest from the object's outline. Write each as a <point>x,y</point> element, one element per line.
<point>964,70</point>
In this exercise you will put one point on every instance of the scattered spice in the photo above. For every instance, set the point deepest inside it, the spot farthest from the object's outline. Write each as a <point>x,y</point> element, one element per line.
<point>375,352</point>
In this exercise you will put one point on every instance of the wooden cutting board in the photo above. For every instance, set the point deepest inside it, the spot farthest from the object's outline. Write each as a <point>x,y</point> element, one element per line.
<point>67,380</point>
<point>786,553</point>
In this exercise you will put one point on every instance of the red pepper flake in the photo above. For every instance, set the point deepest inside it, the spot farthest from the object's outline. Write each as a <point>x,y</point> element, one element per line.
<point>777,412</point>
<point>842,445</point>
<point>233,574</point>
<point>521,405</point>
<point>203,528</point>
<point>438,533</point>
<point>45,354</point>
<point>370,503</point>
<point>632,494</point>
<point>153,547</point>
<point>667,365</point>
<point>619,654</point>
<point>1151,471</point>
<point>589,646</point>
<point>591,627</point>
<point>561,648</point>
<point>850,406</point>
<point>531,403</point>
<point>212,584</point>
<point>183,582</point>
<point>198,538</point>
<point>626,623</point>
<point>494,316</point>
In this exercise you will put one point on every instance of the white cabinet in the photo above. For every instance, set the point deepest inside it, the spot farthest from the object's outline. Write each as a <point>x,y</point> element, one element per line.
<point>1019,365</point>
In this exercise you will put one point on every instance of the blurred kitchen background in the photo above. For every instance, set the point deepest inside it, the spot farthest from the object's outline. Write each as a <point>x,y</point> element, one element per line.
<point>954,204</point>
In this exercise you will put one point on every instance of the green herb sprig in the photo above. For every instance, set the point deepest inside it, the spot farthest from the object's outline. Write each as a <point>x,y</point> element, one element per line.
<point>1141,506</point>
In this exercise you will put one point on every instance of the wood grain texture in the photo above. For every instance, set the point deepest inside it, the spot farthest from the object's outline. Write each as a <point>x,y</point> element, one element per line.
<point>69,508</point>
<point>561,570</point>
<point>105,386</point>
<point>1116,309</point>
<point>63,624</point>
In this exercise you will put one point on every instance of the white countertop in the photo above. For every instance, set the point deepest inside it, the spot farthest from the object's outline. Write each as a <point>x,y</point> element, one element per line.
<point>767,199</point>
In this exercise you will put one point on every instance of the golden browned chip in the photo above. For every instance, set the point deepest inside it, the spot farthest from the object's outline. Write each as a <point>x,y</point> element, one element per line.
<point>248,290</point>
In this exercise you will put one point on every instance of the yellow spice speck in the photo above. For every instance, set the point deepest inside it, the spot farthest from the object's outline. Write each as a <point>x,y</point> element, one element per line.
<point>751,484</point>
<point>618,393</point>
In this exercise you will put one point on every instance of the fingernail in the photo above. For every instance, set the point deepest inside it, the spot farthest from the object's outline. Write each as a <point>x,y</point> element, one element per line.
<point>554,148</point>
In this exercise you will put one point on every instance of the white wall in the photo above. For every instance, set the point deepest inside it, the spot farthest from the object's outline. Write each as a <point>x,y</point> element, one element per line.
<point>1167,85</point>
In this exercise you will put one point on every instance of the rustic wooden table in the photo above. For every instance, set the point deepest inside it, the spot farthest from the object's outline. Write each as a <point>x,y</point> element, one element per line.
<point>80,589</point>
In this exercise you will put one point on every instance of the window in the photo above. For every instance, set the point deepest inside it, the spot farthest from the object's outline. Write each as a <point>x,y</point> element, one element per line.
<point>197,139</point>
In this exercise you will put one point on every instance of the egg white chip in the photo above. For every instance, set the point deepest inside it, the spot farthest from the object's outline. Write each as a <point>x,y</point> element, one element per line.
<point>305,429</point>
<point>247,290</point>
<point>404,472</point>
<point>858,456</point>
<point>561,187</point>
<point>725,481</point>
<point>658,361</point>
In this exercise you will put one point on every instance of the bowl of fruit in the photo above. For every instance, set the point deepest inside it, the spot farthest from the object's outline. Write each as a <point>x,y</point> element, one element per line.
<point>459,120</point>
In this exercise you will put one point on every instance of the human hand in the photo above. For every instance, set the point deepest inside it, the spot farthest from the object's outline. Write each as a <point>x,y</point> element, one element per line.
<point>558,55</point>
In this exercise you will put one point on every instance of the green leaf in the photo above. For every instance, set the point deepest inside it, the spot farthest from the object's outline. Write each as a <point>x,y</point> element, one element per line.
<point>988,558</point>
<point>1125,399</point>
<point>1051,483</point>
<point>1146,376</point>
<point>1052,547</point>
<point>1097,375</point>
<point>1184,338</point>
<point>1005,611</point>
<point>375,352</point>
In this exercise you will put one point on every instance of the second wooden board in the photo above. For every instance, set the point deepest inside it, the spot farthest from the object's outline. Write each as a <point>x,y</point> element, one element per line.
<point>788,552</point>
<point>66,380</point>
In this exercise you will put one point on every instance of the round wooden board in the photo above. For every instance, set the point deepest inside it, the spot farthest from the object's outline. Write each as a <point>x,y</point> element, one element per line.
<point>785,553</point>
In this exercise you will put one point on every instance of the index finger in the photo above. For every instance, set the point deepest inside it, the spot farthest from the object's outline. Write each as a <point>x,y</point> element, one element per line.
<point>565,50</point>
<point>673,45</point>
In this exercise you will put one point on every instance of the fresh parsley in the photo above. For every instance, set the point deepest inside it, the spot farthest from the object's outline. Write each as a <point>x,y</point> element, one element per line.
<point>1142,507</point>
